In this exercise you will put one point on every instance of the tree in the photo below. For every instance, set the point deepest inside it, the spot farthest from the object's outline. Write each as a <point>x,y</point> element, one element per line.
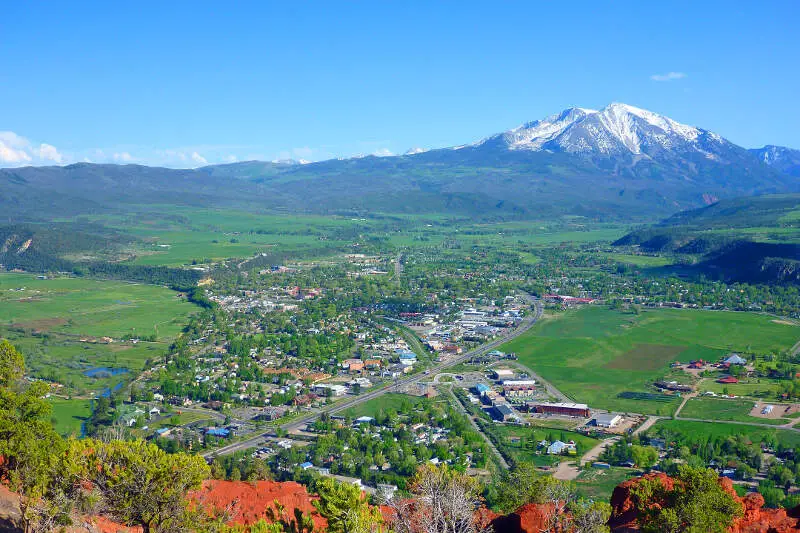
<point>346,508</point>
<point>589,517</point>
<point>644,456</point>
<point>28,442</point>
<point>12,364</point>
<point>444,502</point>
<point>518,486</point>
<point>138,483</point>
<point>695,504</point>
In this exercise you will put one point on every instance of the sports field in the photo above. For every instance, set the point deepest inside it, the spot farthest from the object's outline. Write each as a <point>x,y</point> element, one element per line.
<point>594,354</point>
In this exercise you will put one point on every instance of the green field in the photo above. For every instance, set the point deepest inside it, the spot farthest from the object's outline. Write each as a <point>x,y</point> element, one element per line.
<point>78,306</point>
<point>176,236</point>
<point>594,354</point>
<point>704,430</point>
<point>58,325</point>
<point>68,415</point>
<point>598,484</point>
<point>640,260</point>
<point>754,387</point>
<point>725,409</point>
<point>391,401</point>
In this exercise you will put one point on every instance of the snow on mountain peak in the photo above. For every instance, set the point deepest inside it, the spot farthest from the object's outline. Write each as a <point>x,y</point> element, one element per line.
<point>416,150</point>
<point>617,128</point>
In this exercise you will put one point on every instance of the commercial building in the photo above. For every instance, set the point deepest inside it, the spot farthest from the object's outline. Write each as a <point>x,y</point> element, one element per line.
<point>565,409</point>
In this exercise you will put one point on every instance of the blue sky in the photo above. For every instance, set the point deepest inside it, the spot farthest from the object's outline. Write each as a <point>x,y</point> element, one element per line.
<point>183,83</point>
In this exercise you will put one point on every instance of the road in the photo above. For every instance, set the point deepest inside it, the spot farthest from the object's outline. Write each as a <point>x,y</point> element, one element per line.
<point>477,428</point>
<point>338,407</point>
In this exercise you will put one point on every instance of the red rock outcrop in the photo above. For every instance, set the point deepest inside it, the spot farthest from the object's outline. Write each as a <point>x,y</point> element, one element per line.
<point>248,502</point>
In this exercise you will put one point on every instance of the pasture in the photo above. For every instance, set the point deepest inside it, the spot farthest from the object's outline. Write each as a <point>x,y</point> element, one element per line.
<point>88,307</point>
<point>58,324</point>
<point>594,354</point>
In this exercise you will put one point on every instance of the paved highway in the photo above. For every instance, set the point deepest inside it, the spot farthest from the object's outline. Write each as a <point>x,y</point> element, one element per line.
<point>298,423</point>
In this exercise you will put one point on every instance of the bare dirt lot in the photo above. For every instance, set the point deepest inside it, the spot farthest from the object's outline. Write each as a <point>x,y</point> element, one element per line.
<point>779,410</point>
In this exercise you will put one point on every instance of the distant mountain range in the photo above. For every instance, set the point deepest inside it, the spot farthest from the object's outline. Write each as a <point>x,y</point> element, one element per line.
<point>620,162</point>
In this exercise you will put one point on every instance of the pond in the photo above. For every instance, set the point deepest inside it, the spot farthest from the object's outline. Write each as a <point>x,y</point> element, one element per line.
<point>102,372</point>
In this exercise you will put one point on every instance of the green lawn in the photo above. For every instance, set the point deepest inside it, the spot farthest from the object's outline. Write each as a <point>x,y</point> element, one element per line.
<point>598,484</point>
<point>593,354</point>
<point>68,415</point>
<point>525,449</point>
<point>724,409</point>
<point>397,402</point>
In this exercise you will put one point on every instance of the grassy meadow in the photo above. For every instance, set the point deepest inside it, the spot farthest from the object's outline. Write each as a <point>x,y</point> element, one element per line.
<point>593,354</point>
<point>58,323</point>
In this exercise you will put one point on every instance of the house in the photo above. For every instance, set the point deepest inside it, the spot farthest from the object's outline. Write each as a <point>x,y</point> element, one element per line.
<point>306,465</point>
<point>728,380</point>
<point>501,413</point>
<point>609,420</point>
<point>353,365</point>
<point>154,411</point>
<point>559,448</point>
<point>218,432</point>
<point>407,357</point>
<point>363,420</point>
<point>735,359</point>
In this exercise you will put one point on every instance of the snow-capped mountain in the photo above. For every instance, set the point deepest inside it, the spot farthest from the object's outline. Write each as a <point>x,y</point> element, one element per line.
<point>615,129</point>
<point>416,150</point>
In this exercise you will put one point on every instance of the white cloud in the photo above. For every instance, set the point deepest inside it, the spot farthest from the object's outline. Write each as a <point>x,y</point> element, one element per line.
<point>124,157</point>
<point>383,152</point>
<point>199,159</point>
<point>50,153</point>
<point>231,158</point>
<point>9,154</point>
<point>669,76</point>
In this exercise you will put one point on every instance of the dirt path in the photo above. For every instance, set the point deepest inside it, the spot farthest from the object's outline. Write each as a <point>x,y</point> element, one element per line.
<point>651,420</point>
<point>569,470</point>
<point>686,399</point>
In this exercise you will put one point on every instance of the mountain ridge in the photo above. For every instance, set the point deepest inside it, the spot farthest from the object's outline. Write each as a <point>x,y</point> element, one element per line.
<point>620,162</point>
